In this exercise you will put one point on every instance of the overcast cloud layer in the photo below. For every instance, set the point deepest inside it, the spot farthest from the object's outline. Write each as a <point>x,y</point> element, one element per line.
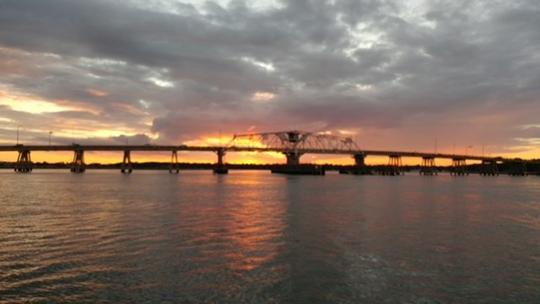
<point>396,75</point>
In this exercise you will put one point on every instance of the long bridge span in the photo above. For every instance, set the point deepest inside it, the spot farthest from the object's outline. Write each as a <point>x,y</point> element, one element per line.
<point>292,144</point>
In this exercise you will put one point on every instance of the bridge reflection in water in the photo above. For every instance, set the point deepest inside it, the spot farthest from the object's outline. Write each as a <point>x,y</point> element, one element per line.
<point>292,144</point>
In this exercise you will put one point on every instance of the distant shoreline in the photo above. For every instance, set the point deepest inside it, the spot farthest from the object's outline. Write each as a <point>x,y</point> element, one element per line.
<point>533,168</point>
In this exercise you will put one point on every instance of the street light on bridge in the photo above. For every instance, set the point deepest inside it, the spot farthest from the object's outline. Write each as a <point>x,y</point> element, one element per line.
<point>467,149</point>
<point>18,127</point>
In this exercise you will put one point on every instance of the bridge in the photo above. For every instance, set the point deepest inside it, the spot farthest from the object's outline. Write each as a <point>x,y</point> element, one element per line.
<point>292,144</point>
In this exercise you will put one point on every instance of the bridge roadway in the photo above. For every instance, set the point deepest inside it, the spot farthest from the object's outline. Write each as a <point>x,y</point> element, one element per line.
<point>216,149</point>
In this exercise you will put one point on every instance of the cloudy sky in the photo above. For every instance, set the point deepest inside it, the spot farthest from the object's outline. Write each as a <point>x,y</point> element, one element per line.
<point>393,74</point>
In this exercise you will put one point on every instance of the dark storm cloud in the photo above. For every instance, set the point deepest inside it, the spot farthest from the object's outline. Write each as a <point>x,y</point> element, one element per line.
<point>371,65</point>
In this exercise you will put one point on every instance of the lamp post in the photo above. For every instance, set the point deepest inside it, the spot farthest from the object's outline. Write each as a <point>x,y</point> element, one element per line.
<point>50,134</point>
<point>467,149</point>
<point>18,127</point>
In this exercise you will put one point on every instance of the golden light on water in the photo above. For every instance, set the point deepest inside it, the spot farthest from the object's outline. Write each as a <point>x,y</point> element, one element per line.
<point>255,227</point>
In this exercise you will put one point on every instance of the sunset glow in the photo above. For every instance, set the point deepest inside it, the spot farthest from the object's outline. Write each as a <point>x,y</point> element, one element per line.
<point>24,104</point>
<point>357,82</point>
<point>269,151</point>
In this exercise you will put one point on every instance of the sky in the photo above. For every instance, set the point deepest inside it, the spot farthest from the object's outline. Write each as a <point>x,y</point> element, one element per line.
<point>456,76</point>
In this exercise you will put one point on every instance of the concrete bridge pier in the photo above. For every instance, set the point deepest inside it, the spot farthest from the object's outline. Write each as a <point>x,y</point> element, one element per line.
<point>293,166</point>
<point>78,165</point>
<point>459,167</point>
<point>517,168</point>
<point>293,158</point>
<point>174,167</point>
<point>359,167</point>
<point>428,166</point>
<point>24,162</point>
<point>359,160</point>
<point>127,166</point>
<point>220,167</point>
<point>489,168</point>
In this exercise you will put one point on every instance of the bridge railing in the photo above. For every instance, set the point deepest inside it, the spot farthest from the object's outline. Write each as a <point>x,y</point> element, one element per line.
<point>293,140</point>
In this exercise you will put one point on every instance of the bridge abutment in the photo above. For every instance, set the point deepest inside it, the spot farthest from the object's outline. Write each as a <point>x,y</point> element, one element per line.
<point>127,166</point>
<point>24,162</point>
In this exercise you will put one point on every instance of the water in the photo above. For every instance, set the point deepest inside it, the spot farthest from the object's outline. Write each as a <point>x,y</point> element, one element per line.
<point>253,237</point>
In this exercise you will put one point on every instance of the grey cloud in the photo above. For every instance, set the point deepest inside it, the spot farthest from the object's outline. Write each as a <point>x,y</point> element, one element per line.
<point>451,62</point>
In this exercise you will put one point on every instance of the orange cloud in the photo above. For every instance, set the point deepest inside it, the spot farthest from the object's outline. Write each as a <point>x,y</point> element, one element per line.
<point>97,93</point>
<point>29,104</point>
<point>128,108</point>
<point>263,96</point>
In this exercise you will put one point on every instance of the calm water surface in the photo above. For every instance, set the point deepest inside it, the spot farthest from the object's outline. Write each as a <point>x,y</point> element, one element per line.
<point>253,237</point>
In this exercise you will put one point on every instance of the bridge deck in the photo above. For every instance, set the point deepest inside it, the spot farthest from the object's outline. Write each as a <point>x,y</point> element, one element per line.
<point>156,148</point>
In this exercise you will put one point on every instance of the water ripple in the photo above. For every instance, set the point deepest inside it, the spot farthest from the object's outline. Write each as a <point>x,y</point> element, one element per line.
<point>260,238</point>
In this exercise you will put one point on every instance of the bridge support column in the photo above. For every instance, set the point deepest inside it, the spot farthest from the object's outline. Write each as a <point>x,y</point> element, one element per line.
<point>359,160</point>
<point>24,162</point>
<point>174,168</point>
<point>394,166</point>
<point>293,166</point>
<point>489,168</point>
<point>126,167</point>
<point>293,158</point>
<point>459,167</point>
<point>359,167</point>
<point>517,168</point>
<point>78,165</point>
<point>220,166</point>
<point>428,166</point>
